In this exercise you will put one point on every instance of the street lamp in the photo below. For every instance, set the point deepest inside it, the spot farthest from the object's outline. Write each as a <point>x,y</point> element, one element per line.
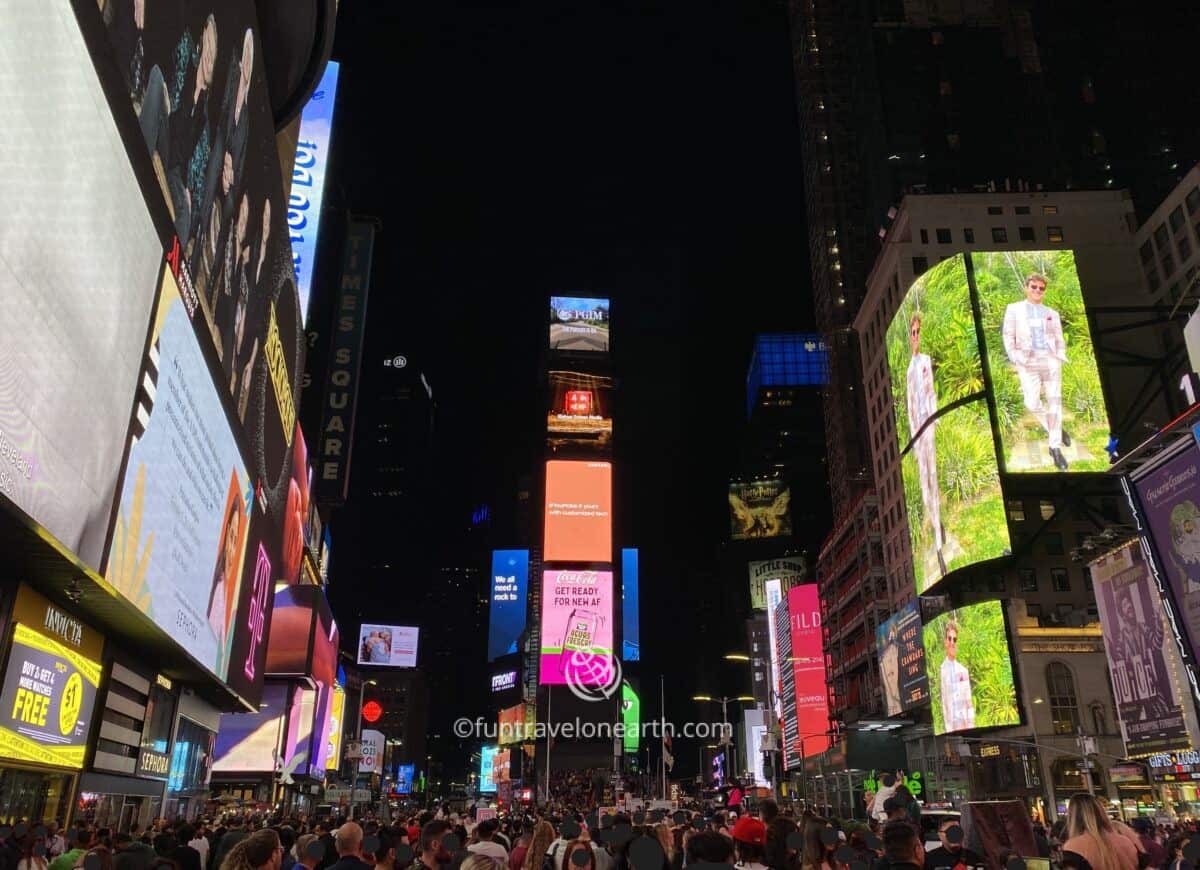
<point>737,657</point>
<point>725,730</point>
<point>362,687</point>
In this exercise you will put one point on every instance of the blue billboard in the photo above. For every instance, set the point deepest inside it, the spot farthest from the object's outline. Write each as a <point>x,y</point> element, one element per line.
<point>404,778</point>
<point>487,767</point>
<point>308,181</point>
<point>631,635</point>
<point>509,593</point>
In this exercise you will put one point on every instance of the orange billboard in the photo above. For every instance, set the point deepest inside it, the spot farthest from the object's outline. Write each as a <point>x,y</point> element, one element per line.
<point>578,512</point>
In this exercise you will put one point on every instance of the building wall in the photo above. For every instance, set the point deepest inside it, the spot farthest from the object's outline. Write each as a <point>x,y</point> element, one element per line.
<point>1168,243</point>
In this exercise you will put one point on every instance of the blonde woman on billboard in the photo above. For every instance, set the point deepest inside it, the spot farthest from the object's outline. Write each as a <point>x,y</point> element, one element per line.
<point>922,403</point>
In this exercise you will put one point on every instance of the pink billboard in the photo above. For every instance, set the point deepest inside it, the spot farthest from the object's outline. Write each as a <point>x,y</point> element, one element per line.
<point>577,628</point>
<point>808,668</point>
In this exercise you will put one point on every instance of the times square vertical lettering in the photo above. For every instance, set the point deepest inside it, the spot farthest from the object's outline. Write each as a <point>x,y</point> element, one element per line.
<point>340,375</point>
<point>256,620</point>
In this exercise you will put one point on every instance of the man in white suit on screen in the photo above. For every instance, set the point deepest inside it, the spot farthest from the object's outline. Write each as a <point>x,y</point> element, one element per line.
<point>922,403</point>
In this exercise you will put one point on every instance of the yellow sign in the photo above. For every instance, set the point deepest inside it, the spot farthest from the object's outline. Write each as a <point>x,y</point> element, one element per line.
<point>337,710</point>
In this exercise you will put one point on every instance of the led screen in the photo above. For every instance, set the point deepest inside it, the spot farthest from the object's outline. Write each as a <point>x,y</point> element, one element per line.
<point>631,718</point>
<point>902,660</point>
<point>970,669</point>
<point>79,263</point>
<point>337,714</point>
<point>249,741</point>
<point>578,512</point>
<point>511,725</point>
<point>580,410</point>
<point>755,722</point>
<point>487,762</point>
<point>1149,704</point>
<point>303,638</point>
<point>759,510</point>
<point>404,778</point>
<point>631,633</point>
<point>390,645</point>
<point>789,571</point>
<point>948,455</point>
<point>808,668</point>
<point>1049,403</point>
<point>509,598</point>
<point>308,180</point>
<point>577,631</point>
<point>578,324</point>
<point>773,590</point>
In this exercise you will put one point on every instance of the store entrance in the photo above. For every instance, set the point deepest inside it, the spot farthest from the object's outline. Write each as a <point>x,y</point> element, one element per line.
<point>31,795</point>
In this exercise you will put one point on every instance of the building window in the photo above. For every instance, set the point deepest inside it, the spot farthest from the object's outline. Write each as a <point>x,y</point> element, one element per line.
<point>1087,578</point>
<point>1153,279</point>
<point>1047,509</point>
<point>1193,200</point>
<point>1176,219</point>
<point>1147,252</point>
<point>924,237</point>
<point>1025,234</point>
<point>1161,239</point>
<point>995,209</point>
<point>1049,209</point>
<point>943,236</point>
<point>1064,708</point>
<point>1184,246</point>
<point>1016,510</point>
<point>1028,578</point>
<point>999,235</point>
<point>969,236</point>
<point>1054,234</point>
<point>920,266</point>
<point>1021,209</point>
<point>1060,580</point>
<point>1034,611</point>
<point>1054,543</point>
<point>1167,259</point>
<point>1099,722</point>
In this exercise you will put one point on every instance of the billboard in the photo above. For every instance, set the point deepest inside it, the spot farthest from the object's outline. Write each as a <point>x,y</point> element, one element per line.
<point>789,571</point>
<point>785,687</point>
<point>773,590</point>
<point>969,660</point>
<point>247,742</point>
<point>509,600</point>
<point>577,630</point>
<point>1049,403</point>
<point>389,645</point>
<point>373,746</point>
<point>578,324</point>
<point>64,425</point>
<point>1149,704</point>
<point>631,632</point>
<point>580,410</point>
<point>948,453</point>
<point>755,722</point>
<point>303,638</point>
<point>505,680</point>
<point>808,669</point>
<point>631,718</point>
<point>516,724</point>
<point>308,180</point>
<point>759,510</point>
<point>337,720</point>
<point>405,776</point>
<point>902,660</point>
<point>578,512</point>
<point>487,768</point>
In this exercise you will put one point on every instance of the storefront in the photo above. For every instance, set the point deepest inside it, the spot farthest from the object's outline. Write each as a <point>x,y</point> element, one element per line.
<point>192,757</point>
<point>1136,796</point>
<point>52,673</point>
<point>1177,775</point>
<point>1007,771</point>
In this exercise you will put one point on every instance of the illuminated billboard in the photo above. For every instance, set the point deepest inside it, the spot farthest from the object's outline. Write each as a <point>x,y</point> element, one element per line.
<point>631,632</point>
<point>303,638</point>
<point>248,742</point>
<point>308,180</point>
<point>79,263</point>
<point>509,599</point>
<point>577,629</point>
<point>337,719</point>
<point>516,724</point>
<point>948,453</point>
<point>578,512</point>
<point>389,645</point>
<point>756,727</point>
<point>808,669</point>
<point>902,660</point>
<point>631,718</point>
<point>487,768</point>
<point>1049,402</point>
<point>759,510</point>
<point>578,324</point>
<point>405,776</point>
<point>969,662</point>
<point>580,410</point>
<point>789,571</point>
<point>1139,647</point>
<point>773,590</point>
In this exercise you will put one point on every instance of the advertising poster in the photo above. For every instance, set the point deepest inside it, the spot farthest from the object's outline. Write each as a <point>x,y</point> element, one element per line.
<point>308,180</point>
<point>773,589</point>
<point>500,762</point>
<point>902,660</point>
<point>1050,406</point>
<point>786,686</point>
<point>509,601</point>
<point>373,745</point>
<point>405,774</point>
<point>808,668</point>
<point>631,718</point>
<point>759,510</point>
<point>578,324</point>
<point>580,410</point>
<point>578,512</point>
<point>631,632</point>
<point>948,455</point>
<point>755,730</point>
<point>969,662</point>
<point>389,645</point>
<point>511,725</point>
<point>337,714</point>
<point>1149,705</point>
<point>487,768</point>
<point>64,419</point>
<point>186,500</point>
<point>577,630</point>
<point>249,741</point>
<point>789,571</point>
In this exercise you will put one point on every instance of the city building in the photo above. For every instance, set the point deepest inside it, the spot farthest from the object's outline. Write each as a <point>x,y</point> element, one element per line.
<point>1168,244</point>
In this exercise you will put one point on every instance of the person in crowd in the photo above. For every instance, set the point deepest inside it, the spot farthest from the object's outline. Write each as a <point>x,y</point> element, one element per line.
<point>750,843</point>
<point>817,855</point>
<point>130,853</point>
<point>384,857</point>
<point>30,859</point>
<point>952,852</point>
<point>778,854</point>
<point>67,860</point>
<point>662,832</point>
<point>348,842</point>
<point>235,832</point>
<point>485,842</point>
<point>305,856</point>
<point>539,846</point>
<point>197,840</point>
<point>287,839</point>
<point>1175,858</point>
<point>1156,855</point>
<point>768,811</point>
<point>586,847</point>
<point>56,843</point>
<point>516,856</point>
<point>709,847</point>
<point>260,850</point>
<point>1091,836</point>
<point>433,850</point>
<point>902,846</point>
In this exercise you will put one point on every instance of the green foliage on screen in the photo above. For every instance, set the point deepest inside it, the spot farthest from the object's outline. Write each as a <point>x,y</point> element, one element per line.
<point>984,650</point>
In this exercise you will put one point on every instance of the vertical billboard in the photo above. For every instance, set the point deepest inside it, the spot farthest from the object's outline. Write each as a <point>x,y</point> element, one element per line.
<point>901,650</point>
<point>248,742</point>
<point>789,571</point>
<point>509,601</point>
<point>1050,406</point>
<point>948,453</point>
<point>405,774</point>
<point>487,768</point>
<point>337,720</point>
<point>578,512</point>
<point>631,719</point>
<point>373,746</point>
<point>970,666</point>
<point>631,632</point>
<point>579,324</point>
<point>786,704</point>
<point>308,181</point>
<point>759,510</point>
<point>755,722</point>
<point>580,411</point>
<point>577,630</point>
<point>808,669</point>
<point>1149,704</point>
<point>773,590</point>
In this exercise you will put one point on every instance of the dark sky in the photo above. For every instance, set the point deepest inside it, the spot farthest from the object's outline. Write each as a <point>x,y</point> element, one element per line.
<point>649,148</point>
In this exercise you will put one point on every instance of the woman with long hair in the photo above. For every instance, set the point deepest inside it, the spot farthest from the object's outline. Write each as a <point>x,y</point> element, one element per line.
<point>665,839</point>
<point>779,856</point>
<point>575,846</point>
<point>816,855</point>
<point>1090,835</point>
<point>259,851</point>
<point>539,845</point>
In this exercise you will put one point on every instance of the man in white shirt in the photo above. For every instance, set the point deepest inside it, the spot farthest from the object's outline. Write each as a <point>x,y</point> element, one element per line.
<point>958,707</point>
<point>1034,344</point>
<point>922,403</point>
<point>485,845</point>
<point>199,842</point>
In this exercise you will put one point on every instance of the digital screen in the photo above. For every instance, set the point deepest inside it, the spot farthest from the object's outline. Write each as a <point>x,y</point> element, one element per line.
<point>390,645</point>
<point>500,766</point>
<point>298,757</point>
<point>578,324</point>
<point>948,454</point>
<point>631,633</point>
<point>487,762</point>
<point>509,599</point>
<point>504,681</point>
<point>789,571</point>
<point>308,180</point>
<point>808,667</point>
<point>580,410</point>
<point>756,730</point>
<point>577,630</point>
<point>373,746</point>
<point>186,501</point>
<point>295,511</point>
<point>405,774</point>
<point>785,685</point>
<point>578,512</point>
<point>970,669</point>
<point>303,639</point>
<point>249,741</point>
<point>337,720</point>
<point>1138,645</point>
<point>79,263</point>
<point>759,510</point>
<point>773,590</point>
<point>631,718</point>
<point>902,660</point>
<point>1049,402</point>
<point>516,724</point>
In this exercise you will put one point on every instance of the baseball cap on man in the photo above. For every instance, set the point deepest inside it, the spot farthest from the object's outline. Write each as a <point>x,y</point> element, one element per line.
<point>750,830</point>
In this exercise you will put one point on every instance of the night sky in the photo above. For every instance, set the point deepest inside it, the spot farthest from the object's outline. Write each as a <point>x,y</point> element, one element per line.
<point>650,149</point>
